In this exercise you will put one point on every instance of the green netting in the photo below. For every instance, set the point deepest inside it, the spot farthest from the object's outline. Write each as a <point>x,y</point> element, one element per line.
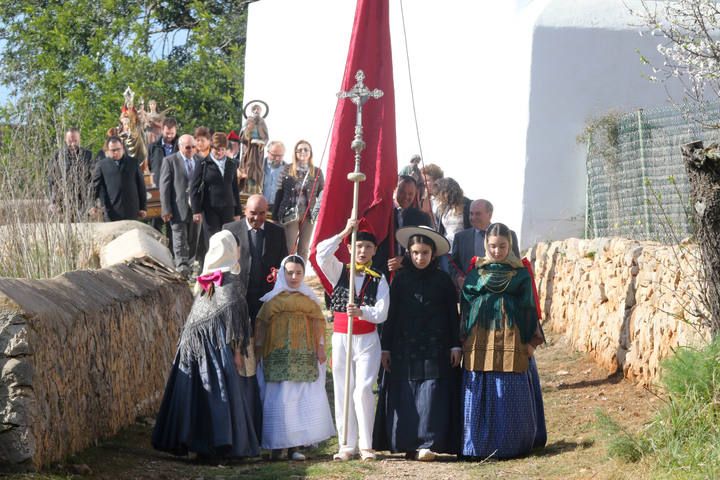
<point>637,185</point>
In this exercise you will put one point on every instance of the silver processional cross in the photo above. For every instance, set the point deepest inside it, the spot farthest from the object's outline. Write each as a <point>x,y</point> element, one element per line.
<point>358,94</point>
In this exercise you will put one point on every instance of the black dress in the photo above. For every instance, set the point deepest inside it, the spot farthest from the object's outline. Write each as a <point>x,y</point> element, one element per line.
<point>208,407</point>
<point>419,404</point>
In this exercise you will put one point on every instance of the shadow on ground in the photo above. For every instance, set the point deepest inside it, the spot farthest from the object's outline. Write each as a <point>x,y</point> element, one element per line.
<point>611,379</point>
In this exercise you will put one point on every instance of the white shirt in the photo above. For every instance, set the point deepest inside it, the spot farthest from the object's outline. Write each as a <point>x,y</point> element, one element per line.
<point>250,227</point>
<point>187,160</point>
<point>332,268</point>
<point>220,163</point>
<point>453,223</point>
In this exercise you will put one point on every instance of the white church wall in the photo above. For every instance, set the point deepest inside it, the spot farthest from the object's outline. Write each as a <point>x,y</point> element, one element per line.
<point>585,62</point>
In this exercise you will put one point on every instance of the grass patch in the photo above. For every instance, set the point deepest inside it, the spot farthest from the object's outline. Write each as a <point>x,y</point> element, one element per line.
<point>683,440</point>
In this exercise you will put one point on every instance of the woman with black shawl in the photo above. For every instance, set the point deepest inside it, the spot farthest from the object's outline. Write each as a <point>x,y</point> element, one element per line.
<point>211,404</point>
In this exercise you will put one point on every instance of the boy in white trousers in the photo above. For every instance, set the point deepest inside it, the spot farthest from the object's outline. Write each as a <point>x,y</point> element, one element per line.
<point>369,308</point>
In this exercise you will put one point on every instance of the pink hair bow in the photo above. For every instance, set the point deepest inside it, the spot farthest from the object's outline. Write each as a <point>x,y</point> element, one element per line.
<point>209,279</point>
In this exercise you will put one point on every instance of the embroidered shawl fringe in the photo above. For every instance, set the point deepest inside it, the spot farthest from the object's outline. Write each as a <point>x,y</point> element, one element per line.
<point>198,332</point>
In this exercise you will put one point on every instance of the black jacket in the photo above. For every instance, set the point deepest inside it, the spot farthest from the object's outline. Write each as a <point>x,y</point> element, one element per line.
<point>218,191</point>
<point>70,172</point>
<point>156,153</point>
<point>412,217</point>
<point>290,189</point>
<point>274,250</point>
<point>422,324</point>
<point>121,190</point>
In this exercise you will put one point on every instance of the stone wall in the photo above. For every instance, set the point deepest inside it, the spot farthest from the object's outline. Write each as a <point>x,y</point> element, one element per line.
<point>81,356</point>
<point>627,303</point>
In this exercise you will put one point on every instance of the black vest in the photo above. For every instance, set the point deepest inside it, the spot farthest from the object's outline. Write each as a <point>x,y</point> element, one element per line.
<point>339,297</point>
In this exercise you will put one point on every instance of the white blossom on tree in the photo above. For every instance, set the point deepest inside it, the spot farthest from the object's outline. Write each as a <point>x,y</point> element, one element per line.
<point>688,33</point>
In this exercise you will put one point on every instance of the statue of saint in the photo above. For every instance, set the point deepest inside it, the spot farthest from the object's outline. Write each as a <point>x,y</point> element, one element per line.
<point>254,136</point>
<point>131,132</point>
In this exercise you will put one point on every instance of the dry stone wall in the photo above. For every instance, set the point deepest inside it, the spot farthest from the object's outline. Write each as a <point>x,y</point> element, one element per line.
<point>81,356</point>
<point>627,303</point>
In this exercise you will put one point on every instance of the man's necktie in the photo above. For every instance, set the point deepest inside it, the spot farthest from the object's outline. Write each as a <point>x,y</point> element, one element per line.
<point>257,239</point>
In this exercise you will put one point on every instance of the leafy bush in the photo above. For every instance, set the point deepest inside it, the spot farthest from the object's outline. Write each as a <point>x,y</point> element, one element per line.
<point>683,440</point>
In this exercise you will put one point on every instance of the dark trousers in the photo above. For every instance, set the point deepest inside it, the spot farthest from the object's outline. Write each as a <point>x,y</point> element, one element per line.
<point>213,220</point>
<point>254,303</point>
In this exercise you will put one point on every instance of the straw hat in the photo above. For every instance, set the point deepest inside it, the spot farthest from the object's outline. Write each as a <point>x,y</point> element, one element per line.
<point>442,246</point>
<point>223,253</point>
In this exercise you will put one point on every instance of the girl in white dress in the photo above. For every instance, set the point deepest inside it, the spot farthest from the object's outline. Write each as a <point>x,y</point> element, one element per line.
<point>290,346</point>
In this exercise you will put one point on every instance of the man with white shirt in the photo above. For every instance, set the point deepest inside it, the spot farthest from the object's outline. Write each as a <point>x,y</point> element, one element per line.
<point>369,307</point>
<point>262,249</point>
<point>176,174</point>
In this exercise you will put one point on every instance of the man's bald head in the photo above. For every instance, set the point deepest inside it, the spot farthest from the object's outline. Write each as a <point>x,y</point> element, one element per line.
<point>256,210</point>
<point>186,144</point>
<point>481,212</point>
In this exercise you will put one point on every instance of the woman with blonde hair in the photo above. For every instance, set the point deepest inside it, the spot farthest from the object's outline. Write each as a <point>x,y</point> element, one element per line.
<point>299,192</point>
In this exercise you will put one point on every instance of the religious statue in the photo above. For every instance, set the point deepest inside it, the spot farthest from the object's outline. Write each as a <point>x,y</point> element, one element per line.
<point>130,130</point>
<point>151,120</point>
<point>254,136</point>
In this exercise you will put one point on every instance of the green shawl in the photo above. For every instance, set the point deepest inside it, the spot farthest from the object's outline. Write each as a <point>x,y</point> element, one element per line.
<point>494,288</point>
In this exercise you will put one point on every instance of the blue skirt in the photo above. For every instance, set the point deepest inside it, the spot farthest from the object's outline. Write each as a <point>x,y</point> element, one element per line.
<point>503,413</point>
<point>209,408</point>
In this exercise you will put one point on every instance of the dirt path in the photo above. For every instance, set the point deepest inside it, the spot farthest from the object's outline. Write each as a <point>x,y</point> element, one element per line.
<point>573,388</point>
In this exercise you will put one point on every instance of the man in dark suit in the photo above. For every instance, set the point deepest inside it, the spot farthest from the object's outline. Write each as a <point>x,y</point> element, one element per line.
<point>118,184</point>
<point>175,176</point>
<point>471,242</point>
<point>404,215</point>
<point>70,178</point>
<point>165,146</point>
<point>214,193</point>
<point>262,248</point>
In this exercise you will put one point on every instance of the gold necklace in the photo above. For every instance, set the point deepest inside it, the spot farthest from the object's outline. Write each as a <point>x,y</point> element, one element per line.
<point>498,282</point>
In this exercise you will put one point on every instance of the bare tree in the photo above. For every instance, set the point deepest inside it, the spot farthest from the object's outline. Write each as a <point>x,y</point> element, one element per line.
<point>689,40</point>
<point>703,167</point>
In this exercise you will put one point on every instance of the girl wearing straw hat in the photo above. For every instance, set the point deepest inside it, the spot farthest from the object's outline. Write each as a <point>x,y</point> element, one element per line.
<point>418,410</point>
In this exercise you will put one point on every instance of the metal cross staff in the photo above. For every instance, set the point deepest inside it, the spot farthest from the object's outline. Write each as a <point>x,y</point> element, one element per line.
<point>359,94</point>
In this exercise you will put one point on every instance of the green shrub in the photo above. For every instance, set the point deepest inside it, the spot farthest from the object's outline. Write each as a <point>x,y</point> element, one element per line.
<point>683,440</point>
